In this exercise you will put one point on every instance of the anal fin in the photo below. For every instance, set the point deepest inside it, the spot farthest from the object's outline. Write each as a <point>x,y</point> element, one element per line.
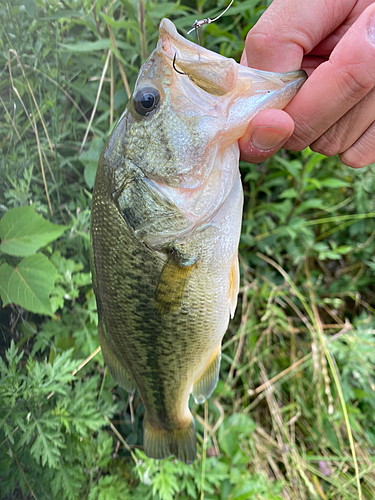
<point>116,369</point>
<point>205,385</point>
<point>161,443</point>
<point>173,281</point>
<point>234,285</point>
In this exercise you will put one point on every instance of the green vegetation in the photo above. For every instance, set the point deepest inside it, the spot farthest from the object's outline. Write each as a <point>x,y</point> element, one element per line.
<point>293,414</point>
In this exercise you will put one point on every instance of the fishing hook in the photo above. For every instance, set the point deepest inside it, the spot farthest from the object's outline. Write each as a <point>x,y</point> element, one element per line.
<point>198,24</point>
<point>174,67</point>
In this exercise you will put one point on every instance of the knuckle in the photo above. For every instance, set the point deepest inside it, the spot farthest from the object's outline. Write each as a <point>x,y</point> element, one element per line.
<point>354,81</point>
<point>352,160</point>
<point>324,148</point>
<point>329,144</point>
<point>266,40</point>
<point>302,136</point>
<point>362,153</point>
<point>259,41</point>
<point>293,145</point>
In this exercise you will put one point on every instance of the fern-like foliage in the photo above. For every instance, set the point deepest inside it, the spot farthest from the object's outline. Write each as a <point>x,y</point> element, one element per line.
<point>52,442</point>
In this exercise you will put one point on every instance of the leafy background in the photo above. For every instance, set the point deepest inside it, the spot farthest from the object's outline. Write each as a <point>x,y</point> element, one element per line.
<point>293,414</point>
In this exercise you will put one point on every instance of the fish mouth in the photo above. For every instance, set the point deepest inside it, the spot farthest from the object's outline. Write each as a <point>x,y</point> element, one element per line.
<point>213,72</point>
<point>170,39</point>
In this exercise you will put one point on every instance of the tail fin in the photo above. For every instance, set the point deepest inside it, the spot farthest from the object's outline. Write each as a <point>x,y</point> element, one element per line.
<point>161,443</point>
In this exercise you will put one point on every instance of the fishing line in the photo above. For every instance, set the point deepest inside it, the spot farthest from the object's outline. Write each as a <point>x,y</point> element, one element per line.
<point>198,24</point>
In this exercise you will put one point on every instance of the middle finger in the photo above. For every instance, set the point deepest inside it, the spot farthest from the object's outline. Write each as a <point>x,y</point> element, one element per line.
<point>335,86</point>
<point>345,132</point>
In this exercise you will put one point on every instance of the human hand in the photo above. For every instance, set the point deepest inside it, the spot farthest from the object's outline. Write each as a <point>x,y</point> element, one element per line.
<point>334,112</point>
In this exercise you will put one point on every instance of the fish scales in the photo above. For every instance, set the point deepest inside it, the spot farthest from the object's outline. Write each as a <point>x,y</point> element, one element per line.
<point>166,220</point>
<point>126,289</point>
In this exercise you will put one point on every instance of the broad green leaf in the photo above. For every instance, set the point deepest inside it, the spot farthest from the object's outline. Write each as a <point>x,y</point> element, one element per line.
<point>104,43</point>
<point>244,493</point>
<point>28,284</point>
<point>332,182</point>
<point>19,86</point>
<point>294,167</point>
<point>30,7</point>
<point>313,160</point>
<point>23,231</point>
<point>316,203</point>
<point>90,159</point>
<point>61,14</point>
<point>121,23</point>
<point>247,4</point>
<point>288,193</point>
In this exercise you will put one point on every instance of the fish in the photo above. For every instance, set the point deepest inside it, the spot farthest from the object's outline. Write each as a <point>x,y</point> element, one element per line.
<point>165,228</point>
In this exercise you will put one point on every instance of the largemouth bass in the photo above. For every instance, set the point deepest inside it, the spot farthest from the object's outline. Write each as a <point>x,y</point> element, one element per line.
<point>166,221</point>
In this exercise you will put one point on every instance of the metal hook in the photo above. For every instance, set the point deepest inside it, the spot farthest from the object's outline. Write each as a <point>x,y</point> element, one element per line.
<point>198,24</point>
<point>174,67</point>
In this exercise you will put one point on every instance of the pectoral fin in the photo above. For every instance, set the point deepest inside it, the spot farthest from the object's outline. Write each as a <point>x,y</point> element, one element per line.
<point>204,386</point>
<point>234,286</point>
<point>116,369</point>
<point>173,281</point>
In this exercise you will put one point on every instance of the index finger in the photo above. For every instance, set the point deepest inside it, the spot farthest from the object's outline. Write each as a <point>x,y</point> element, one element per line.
<point>289,29</point>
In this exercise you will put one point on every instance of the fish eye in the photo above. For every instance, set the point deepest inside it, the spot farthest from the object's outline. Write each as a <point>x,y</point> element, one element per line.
<point>146,100</point>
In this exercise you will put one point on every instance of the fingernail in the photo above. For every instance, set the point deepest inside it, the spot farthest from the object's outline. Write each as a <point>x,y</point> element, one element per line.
<point>371,29</point>
<point>266,138</point>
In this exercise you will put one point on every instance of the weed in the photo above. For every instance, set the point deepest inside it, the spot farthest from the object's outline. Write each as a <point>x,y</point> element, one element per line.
<point>292,415</point>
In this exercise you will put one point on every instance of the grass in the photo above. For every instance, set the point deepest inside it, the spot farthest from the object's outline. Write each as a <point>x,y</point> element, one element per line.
<point>293,414</point>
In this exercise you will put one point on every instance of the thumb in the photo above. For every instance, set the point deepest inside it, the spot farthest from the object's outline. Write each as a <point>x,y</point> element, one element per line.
<point>265,135</point>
